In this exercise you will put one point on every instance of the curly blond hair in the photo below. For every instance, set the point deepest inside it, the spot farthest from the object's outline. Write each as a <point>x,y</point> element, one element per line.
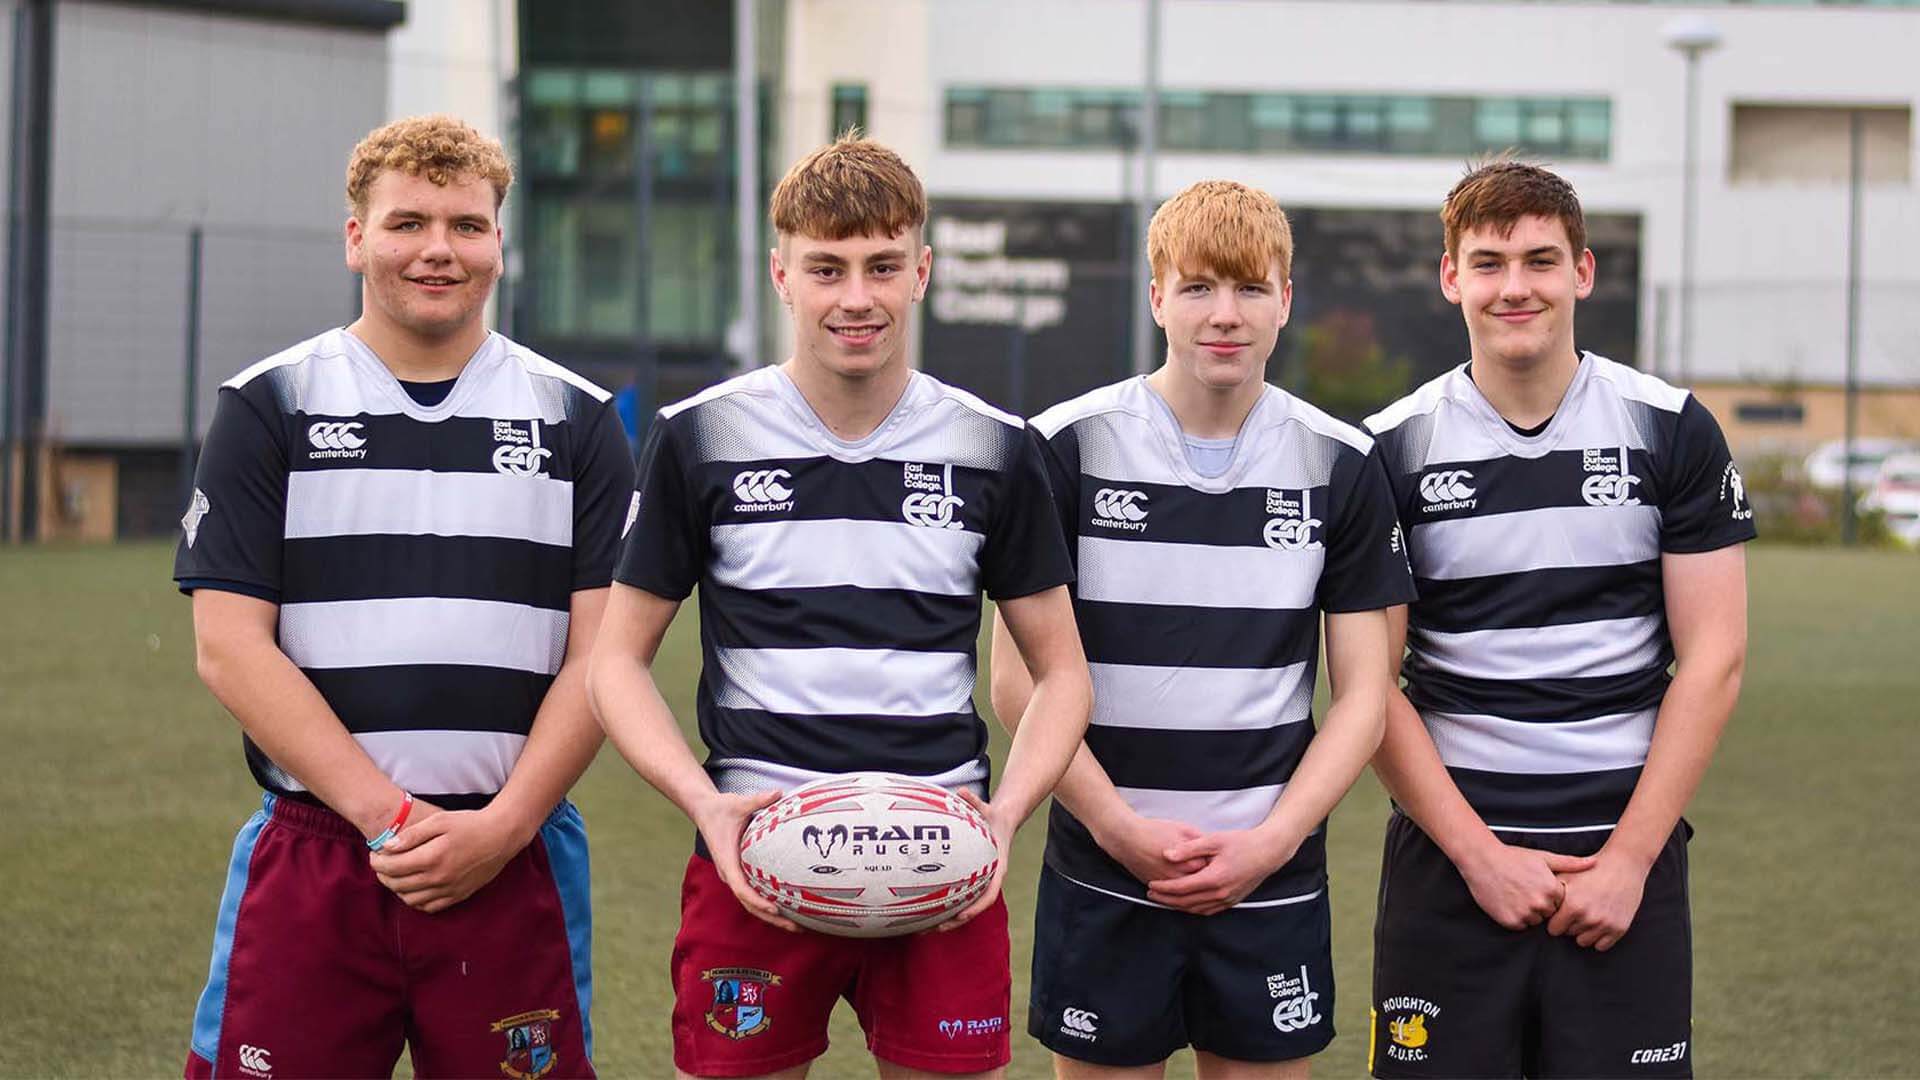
<point>439,147</point>
<point>853,186</point>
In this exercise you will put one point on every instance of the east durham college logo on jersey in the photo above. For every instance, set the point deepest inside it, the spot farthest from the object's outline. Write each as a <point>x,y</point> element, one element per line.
<point>529,1043</point>
<point>1290,522</point>
<point>739,1000</point>
<point>519,453</point>
<point>1407,1026</point>
<point>1607,483</point>
<point>930,499</point>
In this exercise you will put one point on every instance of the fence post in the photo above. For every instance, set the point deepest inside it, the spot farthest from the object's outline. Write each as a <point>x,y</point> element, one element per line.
<point>189,417</point>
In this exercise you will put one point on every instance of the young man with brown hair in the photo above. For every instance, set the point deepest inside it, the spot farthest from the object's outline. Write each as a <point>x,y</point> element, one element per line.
<point>1574,527</point>
<point>398,549</point>
<point>1217,521</point>
<point>841,515</point>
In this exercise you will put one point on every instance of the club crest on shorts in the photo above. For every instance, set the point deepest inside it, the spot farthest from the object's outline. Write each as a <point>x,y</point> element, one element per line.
<point>739,1000</point>
<point>1407,1032</point>
<point>529,1043</point>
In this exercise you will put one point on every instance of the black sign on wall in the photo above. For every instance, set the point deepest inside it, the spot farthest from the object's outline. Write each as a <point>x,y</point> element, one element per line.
<point>1030,303</point>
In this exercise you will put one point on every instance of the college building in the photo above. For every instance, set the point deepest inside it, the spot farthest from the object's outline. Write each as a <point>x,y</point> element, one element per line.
<point>1023,117</point>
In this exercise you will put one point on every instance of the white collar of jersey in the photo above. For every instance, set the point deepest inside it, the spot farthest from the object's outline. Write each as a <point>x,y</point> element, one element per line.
<point>484,360</point>
<point>1159,414</point>
<point>1463,389</point>
<point>867,446</point>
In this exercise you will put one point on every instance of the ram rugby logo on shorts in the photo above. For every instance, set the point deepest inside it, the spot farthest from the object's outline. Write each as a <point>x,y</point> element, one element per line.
<point>930,499</point>
<point>519,452</point>
<point>1119,508</point>
<point>336,439</point>
<point>739,1000</point>
<point>529,1043</point>
<point>1608,482</point>
<point>763,491</point>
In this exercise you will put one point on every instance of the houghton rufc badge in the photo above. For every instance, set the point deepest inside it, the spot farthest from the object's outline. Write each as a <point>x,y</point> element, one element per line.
<point>739,1000</point>
<point>529,1043</point>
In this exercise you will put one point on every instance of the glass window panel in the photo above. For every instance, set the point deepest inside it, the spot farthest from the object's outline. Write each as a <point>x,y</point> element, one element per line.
<point>849,108</point>
<point>669,89</point>
<point>1364,120</point>
<point>1410,114</point>
<point>1006,117</point>
<point>1049,118</point>
<point>1318,123</point>
<point>1590,127</point>
<point>552,140</point>
<point>1229,123</point>
<point>1546,125</point>
<point>966,123</point>
<point>552,87</point>
<point>1496,124</point>
<point>609,143</point>
<point>711,88</point>
<point>607,88</point>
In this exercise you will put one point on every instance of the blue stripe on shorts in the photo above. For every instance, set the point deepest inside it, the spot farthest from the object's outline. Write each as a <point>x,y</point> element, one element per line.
<point>565,837</point>
<point>213,1000</point>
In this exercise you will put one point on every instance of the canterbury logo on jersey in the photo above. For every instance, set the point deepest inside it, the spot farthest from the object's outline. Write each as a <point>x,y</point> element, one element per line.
<point>1120,508</point>
<point>1608,483</point>
<point>930,499</point>
<point>1448,489</point>
<point>336,439</point>
<point>520,452</point>
<point>762,490</point>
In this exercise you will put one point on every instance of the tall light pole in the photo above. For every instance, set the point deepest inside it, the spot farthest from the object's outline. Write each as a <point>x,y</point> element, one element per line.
<point>1691,36</point>
<point>743,336</point>
<point>1144,332</point>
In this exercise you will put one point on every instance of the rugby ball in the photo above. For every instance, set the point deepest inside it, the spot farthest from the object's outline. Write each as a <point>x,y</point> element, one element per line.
<point>869,855</point>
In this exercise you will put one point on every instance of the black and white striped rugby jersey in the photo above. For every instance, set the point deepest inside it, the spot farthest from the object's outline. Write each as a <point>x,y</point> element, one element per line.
<point>1538,649</point>
<point>840,582</point>
<point>1199,602</point>
<point>423,558</point>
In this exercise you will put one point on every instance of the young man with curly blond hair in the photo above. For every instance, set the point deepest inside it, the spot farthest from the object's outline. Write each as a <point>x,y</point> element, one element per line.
<point>1217,523</point>
<point>398,549</point>
<point>841,515</point>
<point>1575,529</point>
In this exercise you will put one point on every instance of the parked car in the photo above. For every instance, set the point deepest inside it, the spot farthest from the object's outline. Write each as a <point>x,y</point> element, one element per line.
<point>1825,468</point>
<point>1896,493</point>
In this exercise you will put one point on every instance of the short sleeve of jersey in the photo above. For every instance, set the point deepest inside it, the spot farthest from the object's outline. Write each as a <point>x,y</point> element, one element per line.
<point>236,519</point>
<point>1704,506</point>
<point>664,538</point>
<point>1061,455</point>
<point>1025,552</point>
<point>602,482</point>
<point>1366,567</point>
